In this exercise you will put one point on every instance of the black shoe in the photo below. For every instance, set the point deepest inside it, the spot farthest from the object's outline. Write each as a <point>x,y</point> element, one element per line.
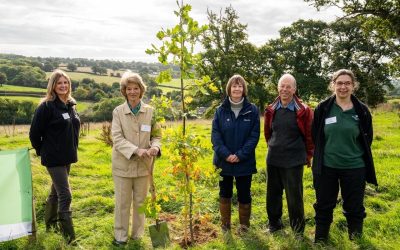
<point>274,227</point>
<point>67,227</point>
<point>51,216</point>
<point>118,243</point>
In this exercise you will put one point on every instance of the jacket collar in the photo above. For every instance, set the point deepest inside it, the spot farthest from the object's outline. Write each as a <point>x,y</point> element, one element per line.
<point>298,105</point>
<point>226,104</point>
<point>356,102</point>
<point>61,104</point>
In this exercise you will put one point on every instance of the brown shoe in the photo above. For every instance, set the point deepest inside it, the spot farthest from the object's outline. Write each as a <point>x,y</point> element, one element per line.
<point>225,210</point>
<point>244,217</point>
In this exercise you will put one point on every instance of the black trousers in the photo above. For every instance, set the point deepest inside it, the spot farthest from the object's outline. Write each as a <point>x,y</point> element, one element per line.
<point>243,186</point>
<point>290,180</point>
<point>60,191</point>
<point>352,186</point>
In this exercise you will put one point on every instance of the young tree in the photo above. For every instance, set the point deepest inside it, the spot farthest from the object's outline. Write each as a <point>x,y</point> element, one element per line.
<point>178,49</point>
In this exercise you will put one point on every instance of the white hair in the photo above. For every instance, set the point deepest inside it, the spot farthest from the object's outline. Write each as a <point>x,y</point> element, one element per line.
<point>289,77</point>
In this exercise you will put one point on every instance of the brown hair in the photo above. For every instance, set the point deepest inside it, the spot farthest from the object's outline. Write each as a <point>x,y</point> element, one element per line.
<point>341,72</point>
<point>238,79</point>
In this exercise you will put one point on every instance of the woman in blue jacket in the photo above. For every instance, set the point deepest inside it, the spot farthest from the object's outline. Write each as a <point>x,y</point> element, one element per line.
<point>54,134</point>
<point>235,134</point>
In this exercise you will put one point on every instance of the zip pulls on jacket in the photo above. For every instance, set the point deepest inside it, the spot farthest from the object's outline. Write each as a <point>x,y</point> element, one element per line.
<point>232,113</point>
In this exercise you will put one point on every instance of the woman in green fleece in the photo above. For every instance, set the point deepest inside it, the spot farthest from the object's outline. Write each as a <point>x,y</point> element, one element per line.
<point>342,134</point>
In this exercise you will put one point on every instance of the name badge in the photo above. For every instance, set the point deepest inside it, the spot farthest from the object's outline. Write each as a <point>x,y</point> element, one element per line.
<point>145,128</point>
<point>330,120</point>
<point>65,116</point>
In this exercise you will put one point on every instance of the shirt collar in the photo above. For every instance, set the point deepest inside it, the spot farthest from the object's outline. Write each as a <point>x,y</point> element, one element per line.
<point>290,106</point>
<point>135,110</point>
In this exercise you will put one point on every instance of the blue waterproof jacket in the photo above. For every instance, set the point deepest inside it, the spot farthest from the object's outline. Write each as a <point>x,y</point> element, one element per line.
<point>237,136</point>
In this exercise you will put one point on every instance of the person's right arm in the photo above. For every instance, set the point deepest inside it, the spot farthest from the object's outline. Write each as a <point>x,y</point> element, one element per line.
<point>121,144</point>
<point>217,139</point>
<point>314,124</point>
<point>38,127</point>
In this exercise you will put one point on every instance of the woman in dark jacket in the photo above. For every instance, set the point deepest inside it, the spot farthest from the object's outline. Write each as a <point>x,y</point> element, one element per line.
<point>342,134</point>
<point>235,134</point>
<point>54,135</point>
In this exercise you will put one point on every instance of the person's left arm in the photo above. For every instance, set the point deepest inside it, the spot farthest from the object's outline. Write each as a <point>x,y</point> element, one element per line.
<point>250,145</point>
<point>308,119</point>
<point>369,129</point>
<point>155,138</point>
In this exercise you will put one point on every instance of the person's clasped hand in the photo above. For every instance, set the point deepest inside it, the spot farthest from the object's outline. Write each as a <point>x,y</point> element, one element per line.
<point>151,152</point>
<point>142,152</point>
<point>232,159</point>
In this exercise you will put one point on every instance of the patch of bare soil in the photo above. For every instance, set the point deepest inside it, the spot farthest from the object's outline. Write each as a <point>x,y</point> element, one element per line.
<point>203,230</point>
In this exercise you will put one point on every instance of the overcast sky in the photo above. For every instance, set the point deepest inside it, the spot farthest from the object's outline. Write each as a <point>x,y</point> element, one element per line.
<point>124,29</point>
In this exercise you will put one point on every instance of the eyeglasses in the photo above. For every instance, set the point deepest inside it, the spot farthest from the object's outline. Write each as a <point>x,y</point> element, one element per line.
<point>340,84</point>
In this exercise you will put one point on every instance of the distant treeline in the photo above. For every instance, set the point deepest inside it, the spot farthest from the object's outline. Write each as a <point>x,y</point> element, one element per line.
<point>48,64</point>
<point>24,71</point>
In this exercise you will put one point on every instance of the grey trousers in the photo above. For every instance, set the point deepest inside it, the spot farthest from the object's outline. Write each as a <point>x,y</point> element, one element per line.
<point>60,190</point>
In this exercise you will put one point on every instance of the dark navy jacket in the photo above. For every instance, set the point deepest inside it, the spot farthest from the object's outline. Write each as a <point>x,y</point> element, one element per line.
<point>237,136</point>
<point>54,133</point>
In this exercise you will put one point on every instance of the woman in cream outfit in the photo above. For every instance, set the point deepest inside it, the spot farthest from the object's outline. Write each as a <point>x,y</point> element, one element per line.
<point>136,138</point>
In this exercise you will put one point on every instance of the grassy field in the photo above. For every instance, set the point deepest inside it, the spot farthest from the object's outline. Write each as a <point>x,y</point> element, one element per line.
<point>78,76</point>
<point>89,70</point>
<point>97,78</point>
<point>93,200</point>
<point>81,106</point>
<point>175,83</point>
<point>21,89</point>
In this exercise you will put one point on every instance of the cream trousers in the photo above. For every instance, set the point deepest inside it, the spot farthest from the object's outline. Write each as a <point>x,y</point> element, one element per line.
<point>129,191</point>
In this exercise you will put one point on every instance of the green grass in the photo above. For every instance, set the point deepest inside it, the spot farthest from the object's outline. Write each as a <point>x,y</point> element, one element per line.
<point>176,82</point>
<point>21,88</point>
<point>81,106</point>
<point>394,100</point>
<point>23,98</point>
<point>77,76</point>
<point>93,200</point>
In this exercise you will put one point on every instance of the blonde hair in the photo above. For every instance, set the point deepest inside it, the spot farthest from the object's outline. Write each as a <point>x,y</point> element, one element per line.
<point>51,85</point>
<point>129,77</point>
<point>236,79</point>
<point>341,72</point>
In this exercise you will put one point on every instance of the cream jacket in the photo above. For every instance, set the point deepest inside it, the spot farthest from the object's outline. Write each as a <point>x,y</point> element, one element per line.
<point>129,133</point>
